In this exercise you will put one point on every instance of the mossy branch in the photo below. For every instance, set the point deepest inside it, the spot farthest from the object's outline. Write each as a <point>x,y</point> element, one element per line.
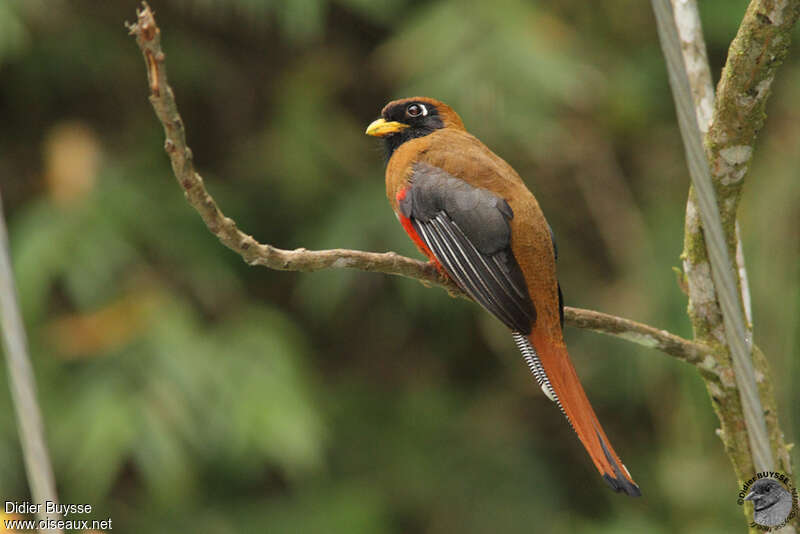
<point>742,398</point>
<point>759,48</point>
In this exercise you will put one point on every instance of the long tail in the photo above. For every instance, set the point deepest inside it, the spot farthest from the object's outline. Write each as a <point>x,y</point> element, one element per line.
<point>550,364</point>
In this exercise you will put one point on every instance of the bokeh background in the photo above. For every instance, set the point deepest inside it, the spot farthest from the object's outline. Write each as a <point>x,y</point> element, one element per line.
<point>184,391</point>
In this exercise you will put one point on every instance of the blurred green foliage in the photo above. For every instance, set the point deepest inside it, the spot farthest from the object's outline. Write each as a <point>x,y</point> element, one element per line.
<point>186,392</point>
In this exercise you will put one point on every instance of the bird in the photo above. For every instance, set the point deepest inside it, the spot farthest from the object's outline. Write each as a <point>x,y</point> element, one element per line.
<point>471,214</point>
<point>771,502</point>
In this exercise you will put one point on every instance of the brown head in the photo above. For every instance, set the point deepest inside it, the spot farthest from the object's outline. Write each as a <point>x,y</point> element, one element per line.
<point>409,118</point>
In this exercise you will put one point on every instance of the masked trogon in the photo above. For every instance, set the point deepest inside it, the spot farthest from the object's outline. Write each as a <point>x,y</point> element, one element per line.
<point>469,212</point>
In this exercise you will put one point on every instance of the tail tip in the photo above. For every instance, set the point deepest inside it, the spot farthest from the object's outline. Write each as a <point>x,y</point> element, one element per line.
<point>619,483</point>
<point>623,485</point>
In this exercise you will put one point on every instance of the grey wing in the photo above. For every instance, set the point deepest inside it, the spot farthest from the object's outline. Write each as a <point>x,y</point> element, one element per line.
<point>467,229</point>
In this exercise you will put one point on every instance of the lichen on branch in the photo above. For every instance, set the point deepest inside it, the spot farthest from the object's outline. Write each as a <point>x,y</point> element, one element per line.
<point>759,47</point>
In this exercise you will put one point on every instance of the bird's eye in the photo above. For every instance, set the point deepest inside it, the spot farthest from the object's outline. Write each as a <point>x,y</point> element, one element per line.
<point>768,489</point>
<point>415,110</point>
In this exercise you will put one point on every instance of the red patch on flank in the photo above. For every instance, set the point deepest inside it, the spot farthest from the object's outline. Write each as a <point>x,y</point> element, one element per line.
<point>409,228</point>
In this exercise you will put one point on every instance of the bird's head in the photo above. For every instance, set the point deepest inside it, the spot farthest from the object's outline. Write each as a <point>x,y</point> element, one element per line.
<point>409,118</point>
<point>765,493</point>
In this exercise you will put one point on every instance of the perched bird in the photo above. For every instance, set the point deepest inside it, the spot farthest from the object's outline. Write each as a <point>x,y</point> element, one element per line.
<point>771,502</point>
<point>469,212</point>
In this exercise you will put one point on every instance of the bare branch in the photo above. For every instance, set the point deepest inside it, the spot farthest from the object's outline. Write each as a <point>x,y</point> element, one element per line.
<point>693,46</point>
<point>148,37</point>
<point>688,351</point>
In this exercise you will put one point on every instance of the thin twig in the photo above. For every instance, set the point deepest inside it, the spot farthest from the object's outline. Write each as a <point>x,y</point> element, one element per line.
<point>23,388</point>
<point>642,334</point>
<point>148,37</point>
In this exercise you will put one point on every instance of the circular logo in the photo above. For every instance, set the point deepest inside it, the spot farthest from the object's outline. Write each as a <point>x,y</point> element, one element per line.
<point>774,499</point>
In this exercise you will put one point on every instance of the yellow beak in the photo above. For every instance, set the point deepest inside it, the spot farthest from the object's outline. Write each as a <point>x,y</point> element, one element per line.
<point>382,128</point>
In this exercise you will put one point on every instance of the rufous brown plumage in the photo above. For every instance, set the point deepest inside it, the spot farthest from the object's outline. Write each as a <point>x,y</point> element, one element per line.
<point>473,216</point>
